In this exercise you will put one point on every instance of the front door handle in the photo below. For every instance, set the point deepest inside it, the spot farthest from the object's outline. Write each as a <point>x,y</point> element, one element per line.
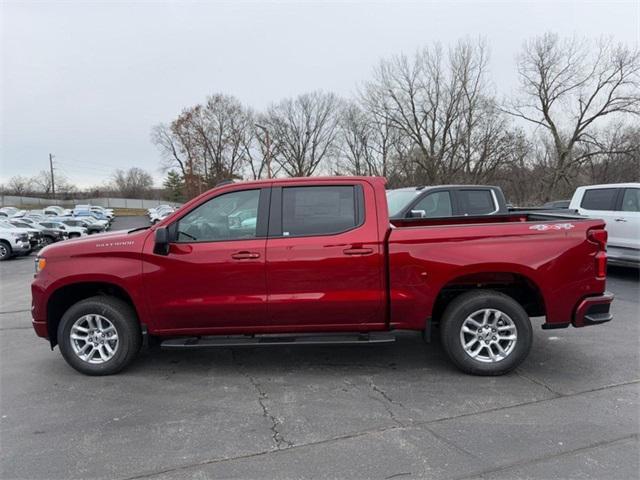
<point>620,219</point>
<point>358,251</point>
<point>244,255</point>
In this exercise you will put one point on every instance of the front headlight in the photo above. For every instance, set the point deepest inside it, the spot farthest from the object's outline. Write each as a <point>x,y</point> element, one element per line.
<point>41,263</point>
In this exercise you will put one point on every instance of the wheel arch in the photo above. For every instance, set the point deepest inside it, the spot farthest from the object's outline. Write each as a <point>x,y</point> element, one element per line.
<point>66,296</point>
<point>8,245</point>
<point>516,284</point>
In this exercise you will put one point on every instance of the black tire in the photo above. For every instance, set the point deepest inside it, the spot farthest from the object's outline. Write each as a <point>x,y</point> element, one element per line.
<point>121,315</point>
<point>48,240</point>
<point>74,235</point>
<point>5,251</point>
<point>465,305</point>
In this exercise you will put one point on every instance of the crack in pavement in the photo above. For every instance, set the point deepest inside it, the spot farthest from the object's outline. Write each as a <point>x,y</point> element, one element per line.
<point>16,311</point>
<point>386,402</point>
<point>521,374</point>
<point>363,433</point>
<point>279,439</point>
<point>550,456</point>
<point>277,436</point>
<point>396,475</point>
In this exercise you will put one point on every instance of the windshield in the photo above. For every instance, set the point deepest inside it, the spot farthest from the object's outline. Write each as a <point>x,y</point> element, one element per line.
<point>398,199</point>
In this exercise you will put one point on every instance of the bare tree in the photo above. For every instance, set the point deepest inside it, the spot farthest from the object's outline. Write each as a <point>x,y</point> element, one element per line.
<point>368,141</point>
<point>208,143</point>
<point>356,137</point>
<point>170,147</point>
<point>19,185</point>
<point>442,104</point>
<point>611,155</point>
<point>133,183</point>
<point>260,149</point>
<point>303,131</point>
<point>42,183</point>
<point>568,88</point>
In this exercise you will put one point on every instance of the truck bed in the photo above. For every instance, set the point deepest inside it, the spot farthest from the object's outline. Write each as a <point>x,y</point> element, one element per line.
<point>547,255</point>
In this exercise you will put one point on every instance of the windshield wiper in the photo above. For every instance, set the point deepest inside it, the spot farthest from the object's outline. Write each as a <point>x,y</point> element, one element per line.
<point>186,235</point>
<point>138,229</point>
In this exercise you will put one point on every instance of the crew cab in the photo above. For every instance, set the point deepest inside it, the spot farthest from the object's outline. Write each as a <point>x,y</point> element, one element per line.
<point>317,260</point>
<point>445,201</point>
<point>618,204</point>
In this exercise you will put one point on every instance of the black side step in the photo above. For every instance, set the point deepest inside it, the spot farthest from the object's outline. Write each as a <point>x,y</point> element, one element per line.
<point>276,339</point>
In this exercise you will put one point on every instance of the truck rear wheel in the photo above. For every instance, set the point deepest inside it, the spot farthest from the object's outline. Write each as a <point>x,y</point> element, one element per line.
<point>486,332</point>
<point>99,335</point>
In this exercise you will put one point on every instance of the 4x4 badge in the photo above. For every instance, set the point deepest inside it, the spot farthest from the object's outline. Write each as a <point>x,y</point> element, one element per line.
<point>555,226</point>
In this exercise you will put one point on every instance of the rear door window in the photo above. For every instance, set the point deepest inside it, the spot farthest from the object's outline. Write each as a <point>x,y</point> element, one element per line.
<point>475,202</point>
<point>599,199</point>
<point>319,210</point>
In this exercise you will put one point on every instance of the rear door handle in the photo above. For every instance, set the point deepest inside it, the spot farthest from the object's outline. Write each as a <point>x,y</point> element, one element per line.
<point>620,219</point>
<point>358,251</point>
<point>244,255</point>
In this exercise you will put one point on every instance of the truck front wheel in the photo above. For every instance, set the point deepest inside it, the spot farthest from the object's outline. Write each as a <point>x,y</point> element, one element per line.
<point>99,335</point>
<point>486,332</point>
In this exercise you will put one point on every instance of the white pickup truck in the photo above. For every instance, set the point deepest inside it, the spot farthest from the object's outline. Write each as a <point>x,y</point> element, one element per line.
<point>618,204</point>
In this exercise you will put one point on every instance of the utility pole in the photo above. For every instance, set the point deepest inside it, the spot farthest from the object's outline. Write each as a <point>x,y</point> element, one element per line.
<point>53,184</point>
<point>267,157</point>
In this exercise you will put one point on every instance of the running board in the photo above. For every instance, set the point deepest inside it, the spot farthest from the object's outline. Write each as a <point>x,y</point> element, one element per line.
<point>275,339</point>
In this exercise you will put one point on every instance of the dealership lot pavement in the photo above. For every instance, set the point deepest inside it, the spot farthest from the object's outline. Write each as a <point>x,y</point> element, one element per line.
<point>397,411</point>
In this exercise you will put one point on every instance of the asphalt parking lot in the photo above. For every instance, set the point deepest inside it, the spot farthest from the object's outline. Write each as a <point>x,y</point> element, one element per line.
<point>397,411</point>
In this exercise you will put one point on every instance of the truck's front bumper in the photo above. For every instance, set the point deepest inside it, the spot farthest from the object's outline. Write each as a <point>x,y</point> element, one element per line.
<point>40,328</point>
<point>589,311</point>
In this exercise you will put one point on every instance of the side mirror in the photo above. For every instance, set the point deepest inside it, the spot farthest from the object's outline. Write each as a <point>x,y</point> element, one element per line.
<point>417,214</point>
<point>161,246</point>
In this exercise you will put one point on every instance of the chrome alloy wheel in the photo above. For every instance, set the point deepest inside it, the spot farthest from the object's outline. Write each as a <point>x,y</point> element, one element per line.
<point>94,339</point>
<point>488,335</point>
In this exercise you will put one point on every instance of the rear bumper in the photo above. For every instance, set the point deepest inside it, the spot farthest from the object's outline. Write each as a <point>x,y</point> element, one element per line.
<point>589,311</point>
<point>593,310</point>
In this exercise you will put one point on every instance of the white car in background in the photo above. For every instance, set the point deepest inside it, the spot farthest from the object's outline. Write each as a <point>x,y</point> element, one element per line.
<point>8,212</point>
<point>107,212</point>
<point>160,213</point>
<point>71,230</point>
<point>57,211</point>
<point>618,204</point>
<point>13,241</point>
<point>153,210</point>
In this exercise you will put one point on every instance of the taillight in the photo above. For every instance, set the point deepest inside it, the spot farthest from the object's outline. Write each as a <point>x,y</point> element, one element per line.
<point>599,237</point>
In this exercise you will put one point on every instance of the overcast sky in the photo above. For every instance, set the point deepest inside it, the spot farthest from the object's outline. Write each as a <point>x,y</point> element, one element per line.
<point>87,80</point>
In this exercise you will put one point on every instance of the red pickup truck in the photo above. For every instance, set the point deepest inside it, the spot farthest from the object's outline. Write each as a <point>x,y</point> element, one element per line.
<point>317,260</point>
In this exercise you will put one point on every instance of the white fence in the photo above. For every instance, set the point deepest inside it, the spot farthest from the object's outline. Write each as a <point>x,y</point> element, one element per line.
<point>16,201</point>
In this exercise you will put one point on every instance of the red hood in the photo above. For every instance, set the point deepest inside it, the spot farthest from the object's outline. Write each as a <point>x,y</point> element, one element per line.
<point>108,242</point>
